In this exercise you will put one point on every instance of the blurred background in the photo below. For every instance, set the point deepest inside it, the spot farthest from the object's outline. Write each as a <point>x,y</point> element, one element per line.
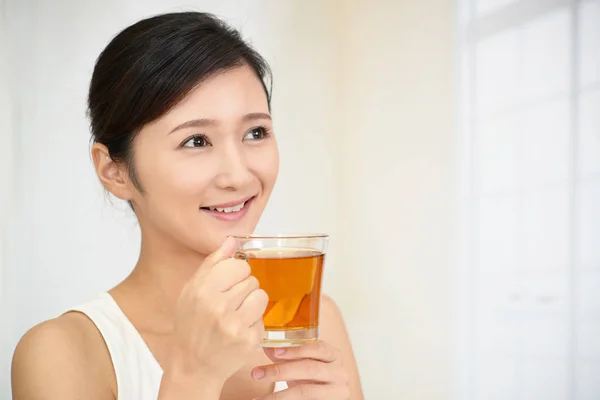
<point>451,149</point>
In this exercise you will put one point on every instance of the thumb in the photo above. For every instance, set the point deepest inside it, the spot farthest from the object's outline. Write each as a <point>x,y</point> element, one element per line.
<point>227,250</point>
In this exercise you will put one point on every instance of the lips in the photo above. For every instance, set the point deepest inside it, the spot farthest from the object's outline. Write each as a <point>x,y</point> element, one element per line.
<point>230,204</point>
<point>231,211</point>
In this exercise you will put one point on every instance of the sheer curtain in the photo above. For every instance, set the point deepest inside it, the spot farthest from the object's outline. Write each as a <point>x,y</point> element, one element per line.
<point>532,146</point>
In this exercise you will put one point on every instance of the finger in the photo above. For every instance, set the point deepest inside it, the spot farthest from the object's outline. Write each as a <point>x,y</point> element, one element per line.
<point>319,350</point>
<point>298,370</point>
<point>228,273</point>
<point>311,391</point>
<point>258,330</point>
<point>224,252</point>
<point>238,293</point>
<point>253,307</point>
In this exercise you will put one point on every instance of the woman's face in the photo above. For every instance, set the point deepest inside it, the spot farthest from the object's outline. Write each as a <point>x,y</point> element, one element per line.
<point>207,168</point>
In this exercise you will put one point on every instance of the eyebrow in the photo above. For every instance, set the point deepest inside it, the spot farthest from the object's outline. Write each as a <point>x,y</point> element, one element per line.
<point>203,122</point>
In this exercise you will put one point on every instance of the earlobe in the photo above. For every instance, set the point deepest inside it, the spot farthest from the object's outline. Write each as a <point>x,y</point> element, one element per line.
<point>112,175</point>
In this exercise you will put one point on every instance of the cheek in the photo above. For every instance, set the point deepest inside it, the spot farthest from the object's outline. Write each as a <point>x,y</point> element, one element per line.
<point>266,166</point>
<point>179,180</point>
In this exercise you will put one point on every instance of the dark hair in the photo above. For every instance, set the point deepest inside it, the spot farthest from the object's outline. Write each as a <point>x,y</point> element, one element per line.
<point>151,66</point>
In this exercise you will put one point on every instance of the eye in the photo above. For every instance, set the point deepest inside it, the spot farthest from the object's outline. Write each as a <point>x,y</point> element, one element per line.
<point>196,141</point>
<point>258,133</point>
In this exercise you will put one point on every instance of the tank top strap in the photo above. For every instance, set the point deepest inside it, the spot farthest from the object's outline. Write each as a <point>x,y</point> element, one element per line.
<point>137,372</point>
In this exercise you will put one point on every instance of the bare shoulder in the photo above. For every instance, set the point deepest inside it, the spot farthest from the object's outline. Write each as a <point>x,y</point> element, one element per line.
<point>333,331</point>
<point>332,324</point>
<point>62,358</point>
<point>330,308</point>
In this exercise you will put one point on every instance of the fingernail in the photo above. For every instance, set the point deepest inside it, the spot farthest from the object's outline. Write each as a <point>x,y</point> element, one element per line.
<point>279,352</point>
<point>258,373</point>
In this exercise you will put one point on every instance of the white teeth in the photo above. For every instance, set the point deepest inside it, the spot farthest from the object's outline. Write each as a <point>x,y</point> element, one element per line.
<point>228,209</point>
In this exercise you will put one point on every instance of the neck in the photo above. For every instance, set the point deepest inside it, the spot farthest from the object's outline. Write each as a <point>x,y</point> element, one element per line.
<point>159,276</point>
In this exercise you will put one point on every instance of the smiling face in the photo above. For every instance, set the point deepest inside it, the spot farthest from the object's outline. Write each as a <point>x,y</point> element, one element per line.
<point>207,167</point>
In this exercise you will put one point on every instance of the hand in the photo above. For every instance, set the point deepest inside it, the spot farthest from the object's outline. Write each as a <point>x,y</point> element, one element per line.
<point>313,371</point>
<point>218,321</point>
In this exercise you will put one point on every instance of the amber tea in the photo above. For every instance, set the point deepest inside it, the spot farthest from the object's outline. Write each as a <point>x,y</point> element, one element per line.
<point>290,270</point>
<point>292,279</point>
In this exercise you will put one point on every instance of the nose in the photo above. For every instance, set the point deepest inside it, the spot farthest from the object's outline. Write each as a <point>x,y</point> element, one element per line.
<point>234,172</point>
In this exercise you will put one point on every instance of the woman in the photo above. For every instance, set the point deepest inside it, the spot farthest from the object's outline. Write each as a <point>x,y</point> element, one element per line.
<point>180,119</point>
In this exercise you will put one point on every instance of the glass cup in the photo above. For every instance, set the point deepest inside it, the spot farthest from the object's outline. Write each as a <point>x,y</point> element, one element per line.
<point>290,269</point>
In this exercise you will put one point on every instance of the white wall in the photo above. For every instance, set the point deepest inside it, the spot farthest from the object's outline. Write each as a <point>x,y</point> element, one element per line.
<point>67,240</point>
<point>5,167</point>
<point>5,136</point>
<point>362,98</point>
<point>397,188</point>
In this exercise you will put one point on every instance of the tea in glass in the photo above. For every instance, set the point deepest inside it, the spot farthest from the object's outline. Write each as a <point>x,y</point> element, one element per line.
<point>290,270</point>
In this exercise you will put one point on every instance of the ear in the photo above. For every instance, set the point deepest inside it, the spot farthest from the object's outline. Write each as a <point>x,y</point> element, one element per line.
<point>113,176</point>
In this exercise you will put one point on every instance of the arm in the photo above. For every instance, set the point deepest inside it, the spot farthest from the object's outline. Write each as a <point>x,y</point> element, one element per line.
<point>54,361</point>
<point>333,331</point>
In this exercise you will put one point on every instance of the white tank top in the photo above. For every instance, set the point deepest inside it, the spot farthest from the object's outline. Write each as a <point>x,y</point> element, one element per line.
<point>137,371</point>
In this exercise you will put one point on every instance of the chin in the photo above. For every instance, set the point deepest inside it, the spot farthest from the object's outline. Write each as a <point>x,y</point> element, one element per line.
<point>212,237</point>
<point>212,230</point>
